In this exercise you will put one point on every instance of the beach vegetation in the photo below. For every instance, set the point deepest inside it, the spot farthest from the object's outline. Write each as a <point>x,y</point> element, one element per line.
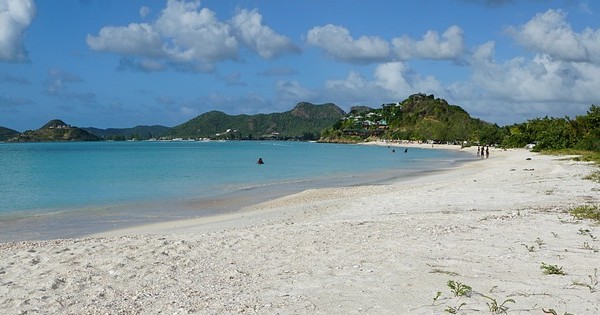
<point>559,134</point>
<point>552,269</point>
<point>438,294</point>
<point>539,242</point>
<point>587,246</point>
<point>553,312</point>
<point>438,270</point>
<point>454,309</point>
<point>459,289</point>
<point>495,307</point>
<point>591,212</point>
<point>593,283</point>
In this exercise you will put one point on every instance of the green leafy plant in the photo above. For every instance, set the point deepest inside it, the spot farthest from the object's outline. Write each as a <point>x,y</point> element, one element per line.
<point>552,269</point>
<point>587,246</point>
<point>459,289</point>
<point>437,296</point>
<point>595,176</point>
<point>496,308</point>
<point>586,212</point>
<point>454,310</point>
<point>539,242</point>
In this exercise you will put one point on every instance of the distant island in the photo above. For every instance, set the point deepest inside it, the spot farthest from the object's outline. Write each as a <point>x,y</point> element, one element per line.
<point>54,131</point>
<point>420,118</point>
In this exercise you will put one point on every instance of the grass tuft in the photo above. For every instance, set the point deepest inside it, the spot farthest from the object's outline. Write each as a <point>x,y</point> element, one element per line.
<point>591,212</point>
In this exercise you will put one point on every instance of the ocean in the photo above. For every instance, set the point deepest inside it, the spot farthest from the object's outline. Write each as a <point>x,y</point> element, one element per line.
<point>58,190</point>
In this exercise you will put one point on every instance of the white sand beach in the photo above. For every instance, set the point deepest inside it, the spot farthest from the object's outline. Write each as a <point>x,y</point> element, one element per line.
<point>382,249</point>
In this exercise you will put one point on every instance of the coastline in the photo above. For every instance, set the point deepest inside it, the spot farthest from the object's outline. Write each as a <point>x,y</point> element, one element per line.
<point>377,249</point>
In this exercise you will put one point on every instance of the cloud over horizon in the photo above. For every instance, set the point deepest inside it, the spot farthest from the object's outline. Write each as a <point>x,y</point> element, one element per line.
<point>186,34</point>
<point>15,18</point>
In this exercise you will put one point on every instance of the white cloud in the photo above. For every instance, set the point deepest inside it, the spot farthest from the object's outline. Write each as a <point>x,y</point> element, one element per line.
<point>259,38</point>
<point>520,88</point>
<point>339,44</point>
<point>450,46</point>
<point>549,33</point>
<point>135,39</point>
<point>188,37</point>
<point>15,17</point>
<point>392,81</point>
<point>192,33</point>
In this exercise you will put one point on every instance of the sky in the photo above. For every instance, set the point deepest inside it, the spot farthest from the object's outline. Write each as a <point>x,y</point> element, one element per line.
<point>123,63</point>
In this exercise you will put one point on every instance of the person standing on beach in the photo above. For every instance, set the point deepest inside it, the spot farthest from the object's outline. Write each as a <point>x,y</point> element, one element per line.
<point>477,151</point>
<point>487,152</point>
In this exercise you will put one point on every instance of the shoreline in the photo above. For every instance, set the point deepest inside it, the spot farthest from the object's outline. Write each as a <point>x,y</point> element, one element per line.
<point>255,213</point>
<point>377,249</point>
<point>98,219</point>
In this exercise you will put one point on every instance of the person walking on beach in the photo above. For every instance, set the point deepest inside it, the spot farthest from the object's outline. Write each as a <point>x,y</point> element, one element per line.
<point>487,152</point>
<point>477,151</point>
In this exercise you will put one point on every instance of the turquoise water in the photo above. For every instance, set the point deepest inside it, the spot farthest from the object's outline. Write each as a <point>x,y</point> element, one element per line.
<point>67,189</point>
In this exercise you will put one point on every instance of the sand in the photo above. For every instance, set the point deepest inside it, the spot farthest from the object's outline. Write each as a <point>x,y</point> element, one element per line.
<point>490,224</point>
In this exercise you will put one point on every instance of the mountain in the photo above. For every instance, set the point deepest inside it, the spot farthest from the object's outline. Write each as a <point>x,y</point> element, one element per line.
<point>54,131</point>
<point>138,132</point>
<point>7,134</point>
<point>304,122</point>
<point>419,117</point>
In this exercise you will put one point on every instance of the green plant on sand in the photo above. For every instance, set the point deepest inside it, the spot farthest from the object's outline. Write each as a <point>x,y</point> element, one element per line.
<point>591,212</point>
<point>552,269</point>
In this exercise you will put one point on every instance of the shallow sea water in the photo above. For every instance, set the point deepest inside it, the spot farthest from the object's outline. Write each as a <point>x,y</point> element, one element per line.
<point>51,190</point>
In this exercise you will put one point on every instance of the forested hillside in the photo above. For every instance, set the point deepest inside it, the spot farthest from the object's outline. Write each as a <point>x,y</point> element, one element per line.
<point>304,122</point>
<point>7,134</point>
<point>420,117</point>
<point>54,131</point>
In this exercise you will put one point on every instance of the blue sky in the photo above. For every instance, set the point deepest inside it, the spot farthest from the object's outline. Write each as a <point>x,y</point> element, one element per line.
<point>122,63</point>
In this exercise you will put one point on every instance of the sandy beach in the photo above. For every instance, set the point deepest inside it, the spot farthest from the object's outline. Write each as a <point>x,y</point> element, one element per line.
<point>491,224</point>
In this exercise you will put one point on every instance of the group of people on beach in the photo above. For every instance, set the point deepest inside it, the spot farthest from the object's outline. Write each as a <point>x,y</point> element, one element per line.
<point>483,152</point>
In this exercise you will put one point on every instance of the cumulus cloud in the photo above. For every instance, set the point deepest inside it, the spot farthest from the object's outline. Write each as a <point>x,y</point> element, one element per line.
<point>392,81</point>
<point>449,46</point>
<point>134,39</point>
<point>549,33</point>
<point>188,37</point>
<point>15,17</point>
<point>260,38</point>
<point>522,88</point>
<point>340,45</point>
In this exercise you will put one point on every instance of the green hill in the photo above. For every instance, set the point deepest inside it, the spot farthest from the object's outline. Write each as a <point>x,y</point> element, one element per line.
<point>54,131</point>
<point>7,134</point>
<point>138,132</point>
<point>304,122</point>
<point>419,117</point>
